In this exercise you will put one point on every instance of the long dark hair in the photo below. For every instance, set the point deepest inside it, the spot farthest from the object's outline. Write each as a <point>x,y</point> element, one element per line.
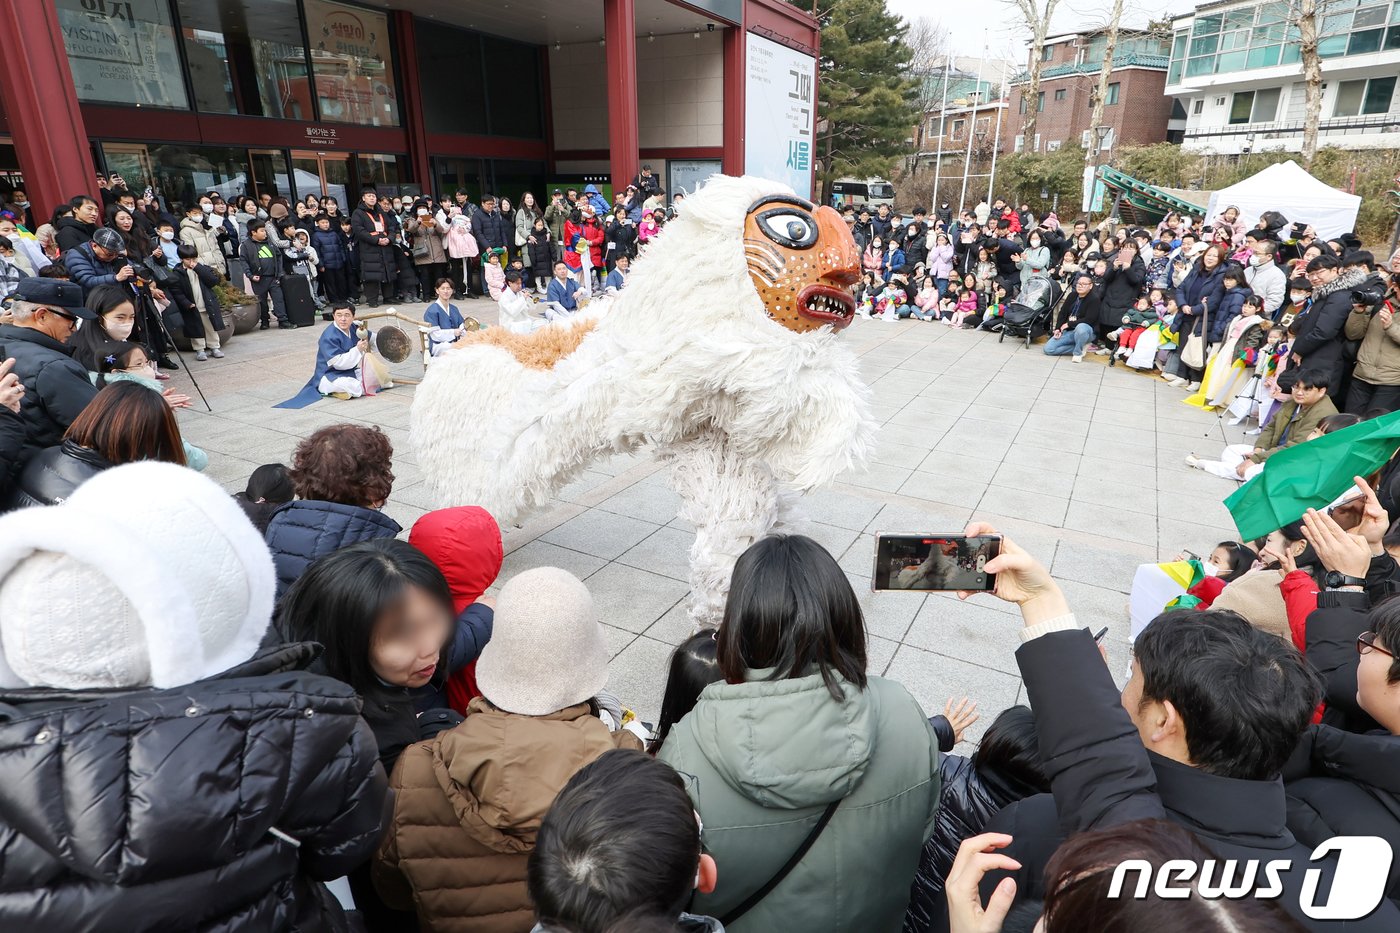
<point>694,666</point>
<point>341,596</point>
<point>126,422</point>
<point>87,343</point>
<point>792,609</point>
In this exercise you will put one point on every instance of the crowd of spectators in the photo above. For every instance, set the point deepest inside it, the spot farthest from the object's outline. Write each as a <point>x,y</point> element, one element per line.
<point>305,722</point>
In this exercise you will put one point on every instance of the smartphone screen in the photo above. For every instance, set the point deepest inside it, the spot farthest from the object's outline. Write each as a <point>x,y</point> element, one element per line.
<point>933,562</point>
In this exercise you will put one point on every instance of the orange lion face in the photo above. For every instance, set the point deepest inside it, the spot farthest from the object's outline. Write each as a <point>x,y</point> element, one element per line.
<point>803,262</point>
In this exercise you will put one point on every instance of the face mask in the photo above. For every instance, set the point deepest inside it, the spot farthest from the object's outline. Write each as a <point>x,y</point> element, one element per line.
<point>167,235</point>
<point>120,331</point>
<point>23,204</point>
<point>1209,569</point>
<point>1298,297</point>
<point>197,218</point>
<point>1256,260</point>
<point>206,206</point>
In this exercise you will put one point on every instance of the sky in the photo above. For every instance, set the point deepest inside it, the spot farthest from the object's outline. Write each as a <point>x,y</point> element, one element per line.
<point>997,19</point>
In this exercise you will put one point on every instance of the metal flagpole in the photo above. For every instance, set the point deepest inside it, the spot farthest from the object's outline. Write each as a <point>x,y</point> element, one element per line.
<point>942,131</point>
<point>972,124</point>
<point>996,145</point>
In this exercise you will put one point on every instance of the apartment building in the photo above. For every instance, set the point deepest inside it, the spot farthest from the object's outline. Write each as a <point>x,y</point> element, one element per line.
<point>1236,68</point>
<point>1135,110</point>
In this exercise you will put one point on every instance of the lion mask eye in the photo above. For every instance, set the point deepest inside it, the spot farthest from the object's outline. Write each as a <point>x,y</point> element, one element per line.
<point>789,226</point>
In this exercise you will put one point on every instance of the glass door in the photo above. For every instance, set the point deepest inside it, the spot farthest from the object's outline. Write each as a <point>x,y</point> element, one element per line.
<point>271,175</point>
<point>322,173</point>
<point>132,161</point>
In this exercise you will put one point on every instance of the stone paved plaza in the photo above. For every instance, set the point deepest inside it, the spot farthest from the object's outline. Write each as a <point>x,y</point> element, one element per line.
<point>1079,463</point>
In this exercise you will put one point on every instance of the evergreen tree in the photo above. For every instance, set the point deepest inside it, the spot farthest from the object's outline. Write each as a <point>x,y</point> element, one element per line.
<point>868,104</point>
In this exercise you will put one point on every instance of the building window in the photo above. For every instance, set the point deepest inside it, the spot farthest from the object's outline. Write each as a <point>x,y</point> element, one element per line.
<point>1198,106</point>
<point>1040,102</point>
<point>1357,98</point>
<point>246,58</point>
<point>1047,52</point>
<point>352,60</point>
<point>1061,94</point>
<point>1112,94</point>
<point>958,128</point>
<point>123,53</point>
<point>1255,106</point>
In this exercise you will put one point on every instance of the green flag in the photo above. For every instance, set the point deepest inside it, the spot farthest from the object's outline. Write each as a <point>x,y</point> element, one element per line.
<point>1312,475</point>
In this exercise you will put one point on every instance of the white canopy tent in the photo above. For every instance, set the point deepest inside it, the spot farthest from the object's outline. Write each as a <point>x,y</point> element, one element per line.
<point>1289,189</point>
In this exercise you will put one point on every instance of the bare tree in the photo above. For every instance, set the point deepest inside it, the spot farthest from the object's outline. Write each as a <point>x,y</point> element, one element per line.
<point>1101,91</point>
<point>1305,15</point>
<point>1035,15</point>
<point>931,45</point>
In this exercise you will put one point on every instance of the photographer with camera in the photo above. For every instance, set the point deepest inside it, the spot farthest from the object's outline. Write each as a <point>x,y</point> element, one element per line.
<point>1375,383</point>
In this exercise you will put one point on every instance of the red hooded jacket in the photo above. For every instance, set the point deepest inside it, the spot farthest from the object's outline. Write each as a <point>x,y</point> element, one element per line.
<point>465,543</point>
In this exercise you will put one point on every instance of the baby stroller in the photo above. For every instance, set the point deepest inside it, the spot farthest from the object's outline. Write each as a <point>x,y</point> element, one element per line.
<point>1029,315</point>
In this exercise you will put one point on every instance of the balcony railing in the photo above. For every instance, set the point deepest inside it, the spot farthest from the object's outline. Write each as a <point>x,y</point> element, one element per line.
<point>1130,60</point>
<point>1334,126</point>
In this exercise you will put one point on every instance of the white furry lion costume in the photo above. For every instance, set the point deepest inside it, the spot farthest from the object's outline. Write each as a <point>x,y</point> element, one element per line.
<point>715,354</point>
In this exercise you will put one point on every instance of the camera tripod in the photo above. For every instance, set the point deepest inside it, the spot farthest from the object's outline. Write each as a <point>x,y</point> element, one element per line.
<point>147,306</point>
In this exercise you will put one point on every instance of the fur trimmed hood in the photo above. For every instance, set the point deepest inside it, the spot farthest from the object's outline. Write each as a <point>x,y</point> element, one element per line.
<point>1346,281</point>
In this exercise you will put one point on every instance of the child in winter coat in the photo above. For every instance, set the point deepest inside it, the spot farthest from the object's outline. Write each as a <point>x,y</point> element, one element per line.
<point>866,292</point>
<point>891,299</point>
<point>986,271</point>
<point>996,307</point>
<point>926,301</point>
<point>963,301</point>
<point>332,260</point>
<point>495,275</point>
<point>534,725</point>
<point>1139,317</point>
<point>462,249</point>
<point>1005,768</point>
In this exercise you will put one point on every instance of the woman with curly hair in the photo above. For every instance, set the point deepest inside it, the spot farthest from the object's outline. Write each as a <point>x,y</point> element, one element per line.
<point>342,475</point>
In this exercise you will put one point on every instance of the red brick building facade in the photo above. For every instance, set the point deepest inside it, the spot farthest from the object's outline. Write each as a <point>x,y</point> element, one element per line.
<point>1136,109</point>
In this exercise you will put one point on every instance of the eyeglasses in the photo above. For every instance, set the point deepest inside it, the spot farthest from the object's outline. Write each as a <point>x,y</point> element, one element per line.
<point>1366,643</point>
<point>71,318</point>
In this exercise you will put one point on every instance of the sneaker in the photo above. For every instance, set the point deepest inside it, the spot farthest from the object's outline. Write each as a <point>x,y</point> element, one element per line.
<point>264,325</point>
<point>1193,461</point>
<point>1193,386</point>
<point>201,356</point>
<point>216,353</point>
<point>1103,351</point>
<point>1176,382</point>
<point>1254,431</point>
<point>163,377</point>
<point>165,362</point>
<point>286,325</point>
<point>1077,358</point>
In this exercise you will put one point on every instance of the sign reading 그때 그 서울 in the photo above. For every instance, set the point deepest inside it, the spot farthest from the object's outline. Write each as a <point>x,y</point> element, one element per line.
<point>780,103</point>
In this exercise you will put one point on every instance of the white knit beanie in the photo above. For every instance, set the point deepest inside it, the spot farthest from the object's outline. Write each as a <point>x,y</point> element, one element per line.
<point>547,650</point>
<point>104,591</point>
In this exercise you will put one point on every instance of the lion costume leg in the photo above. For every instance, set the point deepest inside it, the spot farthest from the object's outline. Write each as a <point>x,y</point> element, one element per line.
<point>732,501</point>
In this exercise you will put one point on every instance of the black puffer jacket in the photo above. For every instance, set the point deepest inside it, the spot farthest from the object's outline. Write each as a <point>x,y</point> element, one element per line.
<point>967,799</point>
<point>1344,784</point>
<point>306,529</point>
<point>51,475</point>
<point>56,386</point>
<point>177,809</point>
